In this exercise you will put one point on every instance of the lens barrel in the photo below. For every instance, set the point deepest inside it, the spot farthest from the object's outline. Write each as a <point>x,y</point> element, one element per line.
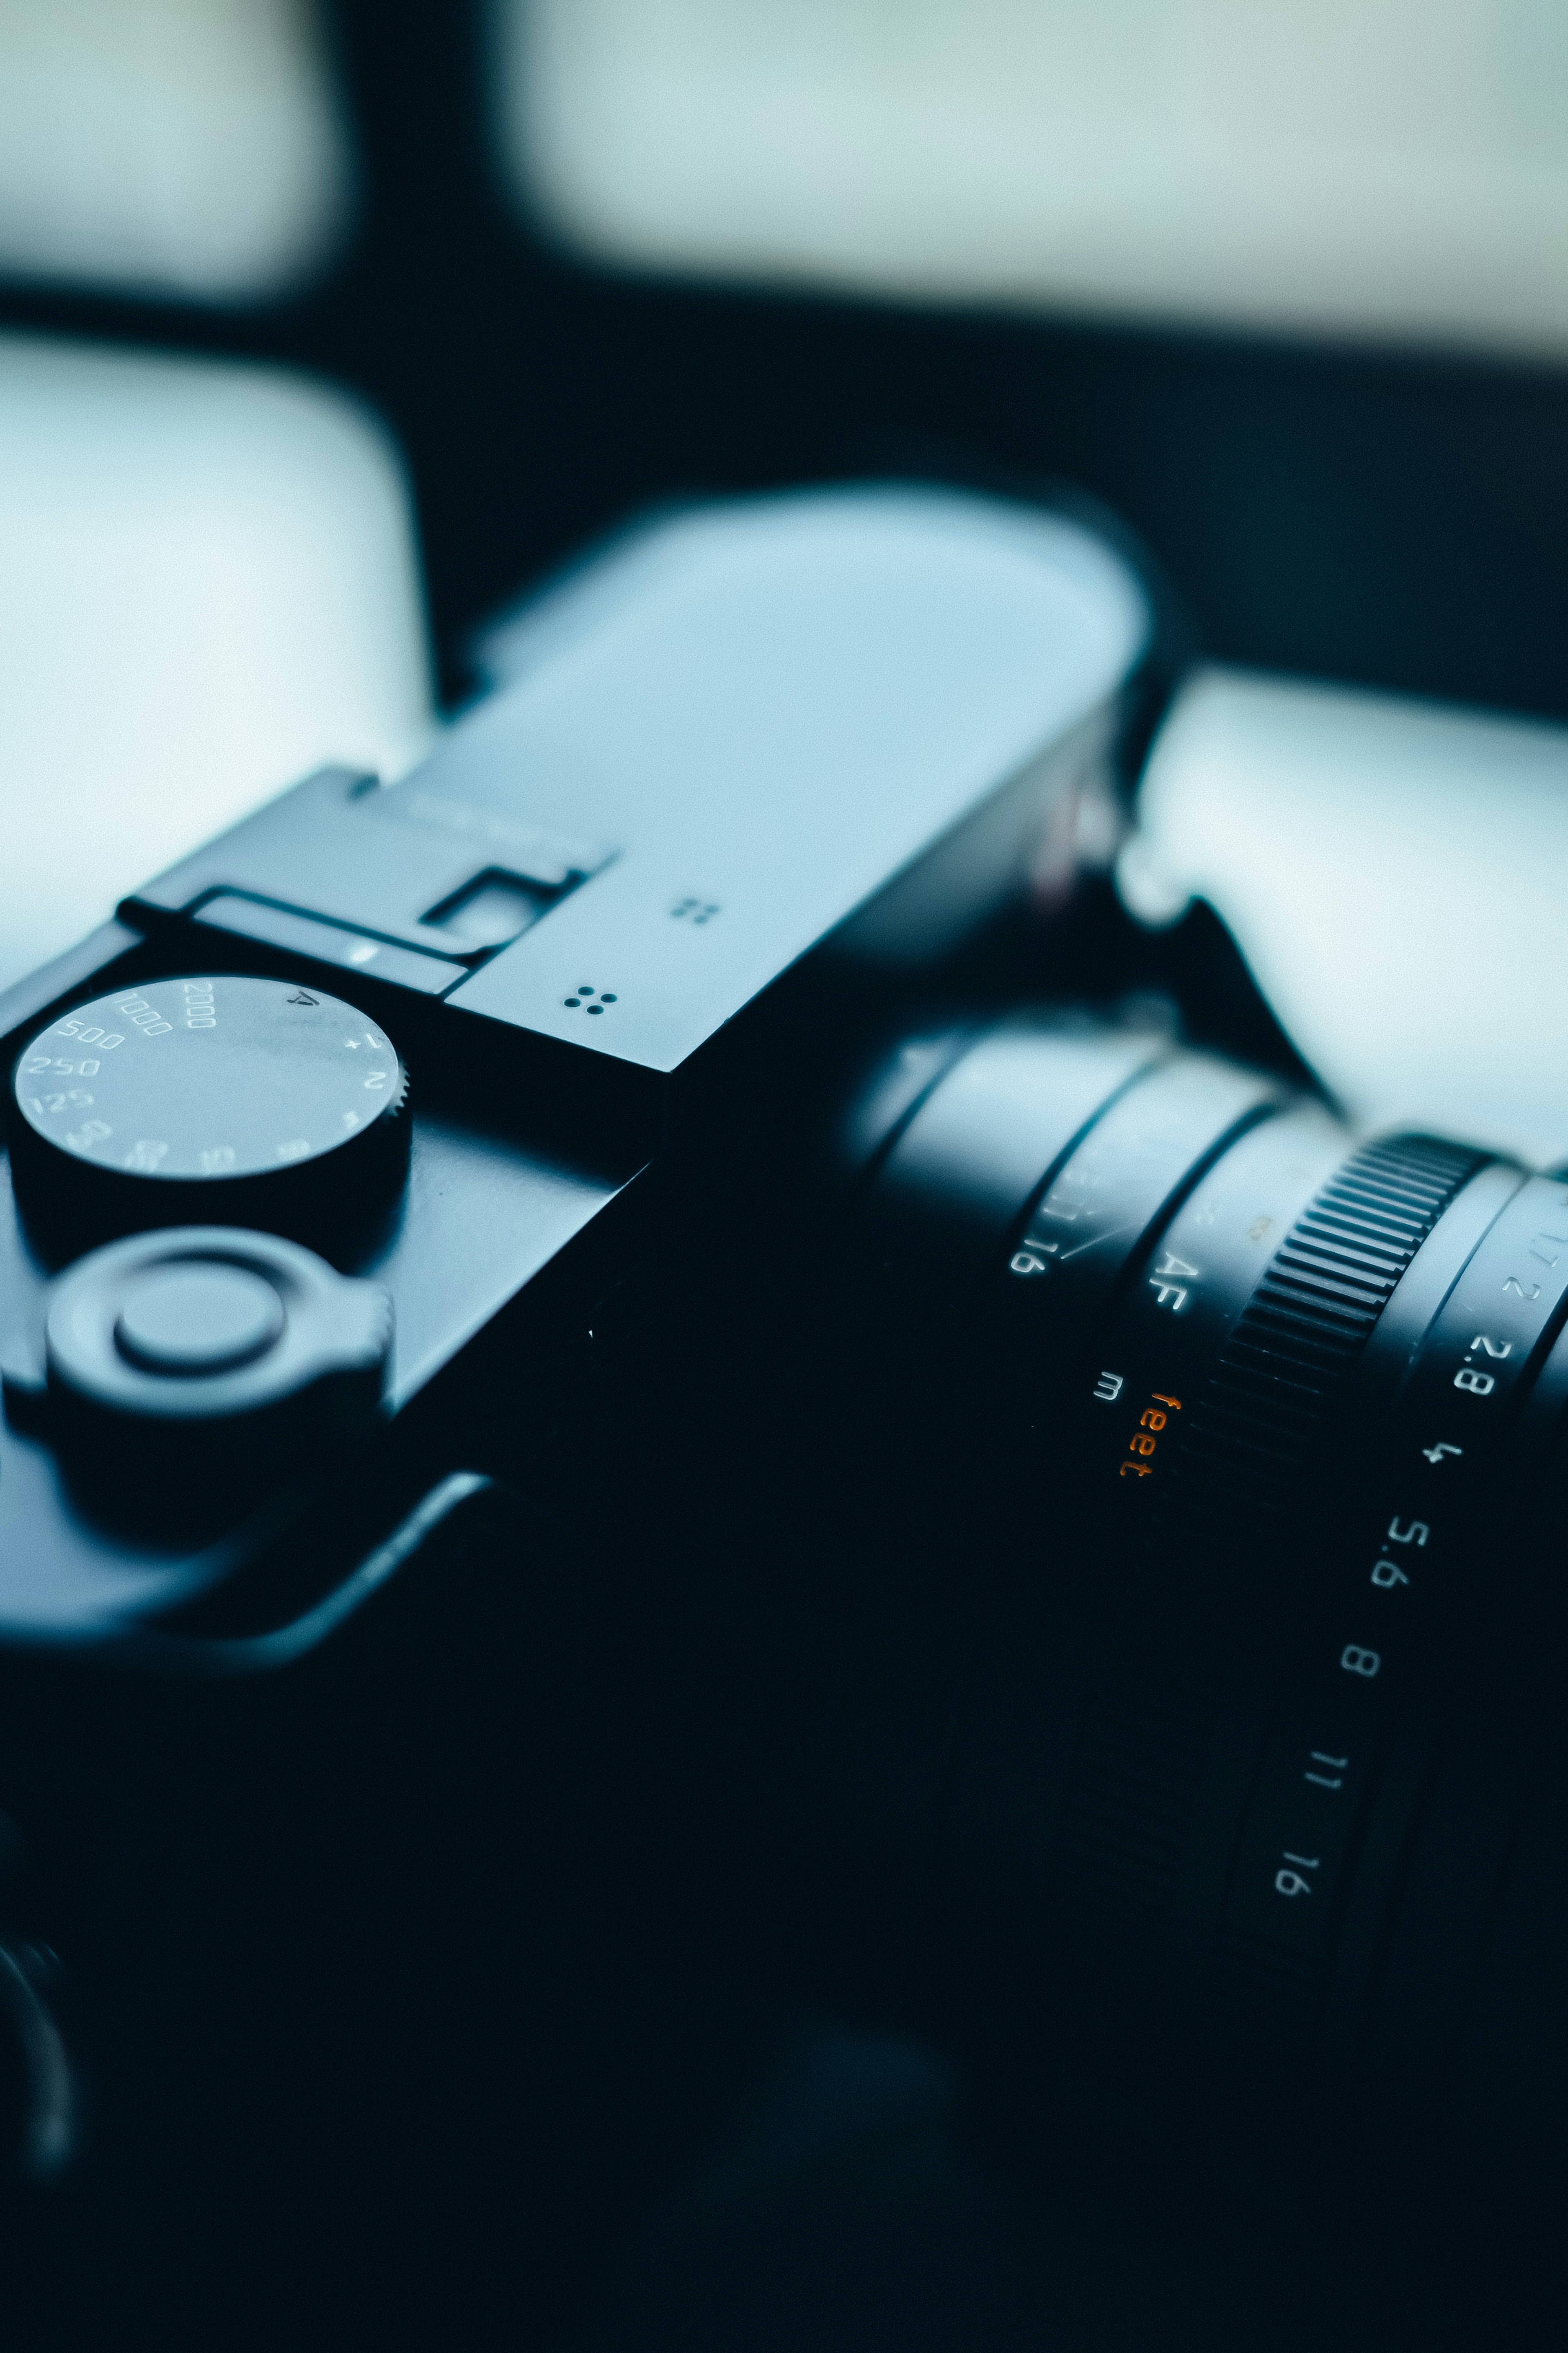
<point>1243,1820</point>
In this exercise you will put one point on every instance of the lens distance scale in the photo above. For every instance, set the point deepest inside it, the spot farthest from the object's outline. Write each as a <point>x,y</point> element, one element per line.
<point>207,1100</point>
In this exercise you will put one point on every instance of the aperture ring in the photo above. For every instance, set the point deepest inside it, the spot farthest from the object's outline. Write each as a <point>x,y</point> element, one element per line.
<point>1402,1564</point>
<point>1213,1419</point>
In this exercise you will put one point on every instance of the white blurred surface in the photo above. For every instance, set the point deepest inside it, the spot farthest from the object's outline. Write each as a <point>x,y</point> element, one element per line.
<point>208,585</point>
<point>1388,168</point>
<point>183,147</point>
<point>1396,875</point>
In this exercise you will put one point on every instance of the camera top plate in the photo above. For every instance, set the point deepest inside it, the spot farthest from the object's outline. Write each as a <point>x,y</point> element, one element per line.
<point>727,738</point>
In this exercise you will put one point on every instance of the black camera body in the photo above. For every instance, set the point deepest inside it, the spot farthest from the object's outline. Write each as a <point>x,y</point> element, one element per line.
<point>1013,1486</point>
<point>750,762</point>
<point>331,1175</point>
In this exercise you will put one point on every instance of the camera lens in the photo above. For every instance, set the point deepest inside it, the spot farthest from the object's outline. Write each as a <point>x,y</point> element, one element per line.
<point>1242,1814</point>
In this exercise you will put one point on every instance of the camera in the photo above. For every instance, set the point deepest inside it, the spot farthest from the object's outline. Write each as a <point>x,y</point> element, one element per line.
<point>1050,1539</point>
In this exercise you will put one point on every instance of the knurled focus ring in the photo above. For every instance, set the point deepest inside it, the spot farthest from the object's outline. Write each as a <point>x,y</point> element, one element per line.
<point>1284,1371</point>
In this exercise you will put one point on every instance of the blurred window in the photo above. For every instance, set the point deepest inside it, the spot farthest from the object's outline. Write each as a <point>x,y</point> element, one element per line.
<point>208,585</point>
<point>191,148</point>
<point>1391,168</point>
<point>1361,847</point>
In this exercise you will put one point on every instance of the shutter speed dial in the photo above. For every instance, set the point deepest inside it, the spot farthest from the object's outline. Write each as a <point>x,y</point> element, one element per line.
<point>202,1100</point>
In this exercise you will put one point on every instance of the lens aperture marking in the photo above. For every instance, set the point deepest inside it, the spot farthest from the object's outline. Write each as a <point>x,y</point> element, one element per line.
<point>1290,1883</point>
<point>1387,1573</point>
<point>1519,1320</point>
<point>1258,1350</point>
<point>1245,1534</point>
<point>1496,1325</point>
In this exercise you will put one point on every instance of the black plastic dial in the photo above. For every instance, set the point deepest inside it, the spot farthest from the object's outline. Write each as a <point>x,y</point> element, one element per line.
<point>207,1100</point>
<point>190,1369</point>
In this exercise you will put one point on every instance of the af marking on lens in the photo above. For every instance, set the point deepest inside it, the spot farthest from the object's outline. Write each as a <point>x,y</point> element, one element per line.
<point>1168,1291</point>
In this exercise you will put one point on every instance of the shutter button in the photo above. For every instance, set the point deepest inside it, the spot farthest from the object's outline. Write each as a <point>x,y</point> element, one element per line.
<point>197,1319</point>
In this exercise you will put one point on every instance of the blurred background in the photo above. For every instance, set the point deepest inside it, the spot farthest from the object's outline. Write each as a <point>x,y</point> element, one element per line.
<point>325,324</point>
